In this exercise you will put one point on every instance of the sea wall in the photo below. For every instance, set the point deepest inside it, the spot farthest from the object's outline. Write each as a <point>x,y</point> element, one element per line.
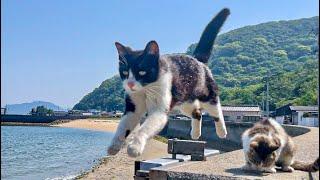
<point>181,129</point>
<point>37,119</point>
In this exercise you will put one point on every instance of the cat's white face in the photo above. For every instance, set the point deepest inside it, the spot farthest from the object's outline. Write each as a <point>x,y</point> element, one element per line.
<point>137,69</point>
<point>130,84</point>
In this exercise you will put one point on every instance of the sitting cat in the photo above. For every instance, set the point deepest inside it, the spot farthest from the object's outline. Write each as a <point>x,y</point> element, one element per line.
<point>267,145</point>
<point>155,84</point>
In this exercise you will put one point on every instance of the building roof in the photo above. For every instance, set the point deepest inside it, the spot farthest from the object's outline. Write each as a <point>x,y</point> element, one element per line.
<point>60,111</point>
<point>304,108</point>
<point>241,108</point>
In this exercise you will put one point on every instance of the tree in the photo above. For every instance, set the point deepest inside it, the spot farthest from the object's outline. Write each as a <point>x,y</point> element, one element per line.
<point>41,111</point>
<point>239,61</point>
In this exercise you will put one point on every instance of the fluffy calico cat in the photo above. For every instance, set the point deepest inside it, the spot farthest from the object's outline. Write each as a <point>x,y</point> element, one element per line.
<point>267,145</point>
<point>155,84</point>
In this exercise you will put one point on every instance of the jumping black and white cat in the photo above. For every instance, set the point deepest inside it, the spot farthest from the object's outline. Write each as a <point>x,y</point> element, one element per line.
<point>155,84</point>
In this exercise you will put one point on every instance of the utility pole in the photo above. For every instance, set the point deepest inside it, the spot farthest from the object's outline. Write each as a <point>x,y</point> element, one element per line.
<point>262,103</point>
<point>317,56</point>
<point>267,99</point>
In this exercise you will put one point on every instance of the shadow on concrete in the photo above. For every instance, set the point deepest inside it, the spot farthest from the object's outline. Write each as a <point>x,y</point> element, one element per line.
<point>242,172</point>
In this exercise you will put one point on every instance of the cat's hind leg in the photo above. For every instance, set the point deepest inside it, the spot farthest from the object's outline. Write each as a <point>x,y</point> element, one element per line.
<point>196,124</point>
<point>215,111</point>
<point>193,110</point>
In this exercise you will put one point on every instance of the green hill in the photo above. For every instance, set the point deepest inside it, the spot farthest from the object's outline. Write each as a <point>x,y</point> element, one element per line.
<point>242,58</point>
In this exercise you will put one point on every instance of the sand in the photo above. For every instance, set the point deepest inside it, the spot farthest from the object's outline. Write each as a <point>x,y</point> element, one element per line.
<point>120,166</point>
<point>92,124</point>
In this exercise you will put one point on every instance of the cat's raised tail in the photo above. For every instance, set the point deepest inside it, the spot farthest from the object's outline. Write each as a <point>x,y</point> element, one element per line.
<point>205,44</point>
<point>309,167</point>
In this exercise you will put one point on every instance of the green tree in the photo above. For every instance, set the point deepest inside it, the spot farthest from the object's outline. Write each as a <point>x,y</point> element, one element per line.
<point>241,58</point>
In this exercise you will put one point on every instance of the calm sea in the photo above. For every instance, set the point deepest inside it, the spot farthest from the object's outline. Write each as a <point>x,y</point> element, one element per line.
<point>49,152</point>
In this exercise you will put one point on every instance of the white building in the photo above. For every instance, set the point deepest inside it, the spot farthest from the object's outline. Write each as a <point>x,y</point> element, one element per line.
<point>60,113</point>
<point>298,115</point>
<point>87,114</point>
<point>241,113</point>
<point>305,115</point>
<point>237,113</point>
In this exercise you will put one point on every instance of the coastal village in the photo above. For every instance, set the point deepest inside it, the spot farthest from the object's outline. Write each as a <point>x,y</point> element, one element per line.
<point>287,114</point>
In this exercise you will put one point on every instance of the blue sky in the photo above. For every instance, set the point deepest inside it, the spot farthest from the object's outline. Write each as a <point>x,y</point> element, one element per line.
<point>58,51</point>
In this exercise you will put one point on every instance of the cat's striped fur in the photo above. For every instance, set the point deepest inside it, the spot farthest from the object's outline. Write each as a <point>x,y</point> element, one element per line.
<point>267,145</point>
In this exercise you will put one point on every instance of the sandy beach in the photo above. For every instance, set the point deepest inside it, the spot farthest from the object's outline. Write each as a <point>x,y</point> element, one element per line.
<point>120,166</point>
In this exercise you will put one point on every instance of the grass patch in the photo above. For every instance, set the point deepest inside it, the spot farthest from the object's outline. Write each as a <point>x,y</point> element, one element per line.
<point>161,139</point>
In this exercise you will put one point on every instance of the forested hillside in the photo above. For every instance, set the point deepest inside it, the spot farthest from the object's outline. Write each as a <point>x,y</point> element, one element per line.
<point>241,61</point>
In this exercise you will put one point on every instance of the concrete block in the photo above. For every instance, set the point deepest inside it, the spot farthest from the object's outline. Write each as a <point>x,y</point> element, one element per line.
<point>148,164</point>
<point>186,147</point>
<point>211,152</point>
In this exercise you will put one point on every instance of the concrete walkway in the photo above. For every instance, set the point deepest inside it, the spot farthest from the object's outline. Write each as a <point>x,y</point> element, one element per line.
<point>228,165</point>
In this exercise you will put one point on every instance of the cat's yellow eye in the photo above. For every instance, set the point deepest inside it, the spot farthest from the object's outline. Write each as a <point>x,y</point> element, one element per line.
<point>141,73</point>
<point>125,73</point>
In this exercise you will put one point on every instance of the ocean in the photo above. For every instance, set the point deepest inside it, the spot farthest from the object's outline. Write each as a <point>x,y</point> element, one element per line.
<point>31,152</point>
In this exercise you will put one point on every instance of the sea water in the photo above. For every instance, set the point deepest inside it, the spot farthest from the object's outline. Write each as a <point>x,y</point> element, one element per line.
<point>30,152</point>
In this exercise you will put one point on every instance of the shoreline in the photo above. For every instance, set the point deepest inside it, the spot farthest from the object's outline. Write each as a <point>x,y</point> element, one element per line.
<point>120,166</point>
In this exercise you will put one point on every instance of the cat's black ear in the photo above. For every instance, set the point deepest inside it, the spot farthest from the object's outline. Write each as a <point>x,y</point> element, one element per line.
<point>152,48</point>
<point>122,50</point>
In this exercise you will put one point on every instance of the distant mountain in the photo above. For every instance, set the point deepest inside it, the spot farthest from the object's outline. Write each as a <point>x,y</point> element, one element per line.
<point>240,62</point>
<point>25,108</point>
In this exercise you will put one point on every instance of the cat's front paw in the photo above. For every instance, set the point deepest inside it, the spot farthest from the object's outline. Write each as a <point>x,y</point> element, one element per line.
<point>113,149</point>
<point>287,169</point>
<point>115,146</point>
<point>270,170</point>
<point>135,147</point>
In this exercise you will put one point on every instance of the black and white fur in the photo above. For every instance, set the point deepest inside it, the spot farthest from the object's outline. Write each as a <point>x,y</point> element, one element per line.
<point>156,84</point>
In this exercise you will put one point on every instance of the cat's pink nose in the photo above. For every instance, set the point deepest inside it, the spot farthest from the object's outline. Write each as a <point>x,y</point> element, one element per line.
<point>130,85</point>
